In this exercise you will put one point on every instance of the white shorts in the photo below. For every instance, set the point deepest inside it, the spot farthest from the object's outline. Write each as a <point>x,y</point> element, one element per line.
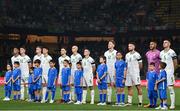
<point>24,80</point>
<point>44,79</point>
<point>170,79</point>
<point>132,80</point>
<point>88,81</point>
<point>110,76</point>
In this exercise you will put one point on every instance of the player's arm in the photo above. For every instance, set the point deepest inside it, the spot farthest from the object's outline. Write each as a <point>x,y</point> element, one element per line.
<point>16,78</point>
<point>140,65</point>
<point>114,74</point>
<point>93,68</point>
<point>104,75</point>
<point>81,84</point>
<point>147,77</point>
<point>37,78</point>
<point>69,77</point>
<point>125,74</point>
<point>98,80</point>
<point>162,79</point>
<point>139,59</point>
<point>175,62</point>
<point>9,80</point>
<point>155,88</point>
<point>56,73</point>
<point>5,80</point>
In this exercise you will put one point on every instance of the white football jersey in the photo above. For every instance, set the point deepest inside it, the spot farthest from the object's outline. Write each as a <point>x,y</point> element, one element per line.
<point>14,58</point>
<point>74,59</point>
<point>38,57</point>
<point>167,57</point>
<point>132,60</point>
<point>24,65</point>
<point>87,64</point>
<point>61,60</point>
<point>45,64</point>
<point>110,60</point>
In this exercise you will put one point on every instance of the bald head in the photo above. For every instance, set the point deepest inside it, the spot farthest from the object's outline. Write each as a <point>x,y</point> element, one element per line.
<point>74,49</point>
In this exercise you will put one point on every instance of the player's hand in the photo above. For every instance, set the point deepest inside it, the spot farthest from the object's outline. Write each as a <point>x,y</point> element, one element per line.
<point>112,84</point>
<point>155,88</point>
<point>98,81</point>
<point>157,82</point>
<point>72,84</point>
<point>5,83</point>
<point>123,81</point>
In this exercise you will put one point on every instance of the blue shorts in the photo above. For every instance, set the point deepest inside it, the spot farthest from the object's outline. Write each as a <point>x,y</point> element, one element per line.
<point>37,87</point>
<point>30,90</point>
<point>7,88</point>
<point>78,90</point>
<point>52,88</point>
<point>162,93</point>
<point>119,83</point>
<point>152,94</point>
<point>16,87</point>
<point>102,86</point>
<point>65,88</point>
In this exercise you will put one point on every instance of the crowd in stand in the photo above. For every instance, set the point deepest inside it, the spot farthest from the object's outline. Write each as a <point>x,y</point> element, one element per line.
<point>106,16</point>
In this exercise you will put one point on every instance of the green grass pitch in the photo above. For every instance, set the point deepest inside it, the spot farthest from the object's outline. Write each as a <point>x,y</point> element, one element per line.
<point>23,105</point>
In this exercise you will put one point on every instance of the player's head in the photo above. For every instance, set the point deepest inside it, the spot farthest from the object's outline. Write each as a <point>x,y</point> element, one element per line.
<point>30,65</point>
<point>66,63</point>
<point>131,46</point>
<point>52,63</point>
<point>151,66</point>
<point>86,52</point>
<point>162,65</point>
<point>37,63</point>
<point>63,51</point>
<point>22,50</point>
<point>38,50</point>
<point>74,49</point>
<point>79,65</point>
<point>16,64</point>
<point>15,51</point>
<point>153,45</point>
<point>45,50</point>
<point>166,43</point>
<point>111,44</point>
<point>8,67</point>
<point>102,59</point>
<point>119,55</point>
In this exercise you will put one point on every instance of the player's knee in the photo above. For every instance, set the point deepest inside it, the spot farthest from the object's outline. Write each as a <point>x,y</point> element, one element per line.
<point>171,89</point>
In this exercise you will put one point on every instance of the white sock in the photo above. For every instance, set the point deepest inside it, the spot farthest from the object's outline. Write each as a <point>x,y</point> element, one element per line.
<point>61,94</point>
<point>172,95</point>
<point>84,96</point>
<point>129,99</point>
<point>44,89</point>
<point>22,92</point>
<point>109,93</point>
<point>92,95</point>
<point>72,94</point>
<point>140,98</point>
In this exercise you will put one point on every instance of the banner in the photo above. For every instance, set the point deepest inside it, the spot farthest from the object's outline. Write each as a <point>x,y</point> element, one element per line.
<point>143,82</point>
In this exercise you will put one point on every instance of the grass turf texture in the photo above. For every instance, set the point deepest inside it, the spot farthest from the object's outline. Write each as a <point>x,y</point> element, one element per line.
<point>23,105</point>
